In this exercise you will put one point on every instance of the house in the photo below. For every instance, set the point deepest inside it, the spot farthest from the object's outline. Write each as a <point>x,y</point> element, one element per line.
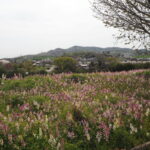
<point>44,63</point>
<point>4,62</point>
<point>85,62</point>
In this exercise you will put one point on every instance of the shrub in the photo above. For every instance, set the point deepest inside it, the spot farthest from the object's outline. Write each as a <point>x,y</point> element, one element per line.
<point>16,100</point>
<point>77,78</point>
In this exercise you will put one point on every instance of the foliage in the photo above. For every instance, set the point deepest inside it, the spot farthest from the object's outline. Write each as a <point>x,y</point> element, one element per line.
<point>116,66</point>
<point>143,56</point>
<point>76,78</point>
<point>90,112</point>
<point>25,68</point>
<point>131,17</point>
<point>65,64</point>
<point>37,58</point>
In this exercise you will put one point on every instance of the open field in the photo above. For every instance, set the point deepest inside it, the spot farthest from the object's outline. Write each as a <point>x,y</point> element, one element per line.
<point>98,111</point>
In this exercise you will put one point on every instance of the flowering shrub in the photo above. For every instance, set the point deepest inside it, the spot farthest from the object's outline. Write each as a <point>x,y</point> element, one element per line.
<point>106,111</point>
<point>76,78</point>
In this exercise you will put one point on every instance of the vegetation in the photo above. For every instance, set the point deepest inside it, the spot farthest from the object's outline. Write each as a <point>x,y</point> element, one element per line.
<point>142,56</point>
<point>68,65</point>
<point>24,69</point>
<point>108,65</point>
<point>65,64</point>
<point>42,57</point>
<point>131,17</point>
<point>97,111</point>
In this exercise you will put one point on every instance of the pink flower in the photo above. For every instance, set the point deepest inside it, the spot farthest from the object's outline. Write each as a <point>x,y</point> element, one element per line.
<point>17,115</point>
<point>106,130</point>
<point>24,107</point>
<point>3,127</point>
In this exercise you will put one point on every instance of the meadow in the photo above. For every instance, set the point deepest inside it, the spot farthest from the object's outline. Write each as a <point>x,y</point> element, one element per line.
<point>93,111</point>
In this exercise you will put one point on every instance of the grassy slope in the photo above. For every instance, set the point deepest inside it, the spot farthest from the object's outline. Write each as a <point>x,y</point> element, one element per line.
<point>99,111</point>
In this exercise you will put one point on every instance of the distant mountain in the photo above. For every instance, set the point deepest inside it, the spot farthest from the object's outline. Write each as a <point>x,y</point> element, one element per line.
<point>115,51</point>
<point>75,49</point>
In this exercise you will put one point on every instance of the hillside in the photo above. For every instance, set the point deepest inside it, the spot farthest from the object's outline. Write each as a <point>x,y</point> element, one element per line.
<point>98,111</point>
<point>78,49</point>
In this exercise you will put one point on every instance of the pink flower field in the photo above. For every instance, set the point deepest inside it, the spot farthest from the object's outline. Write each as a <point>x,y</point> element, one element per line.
<point>97,111</point>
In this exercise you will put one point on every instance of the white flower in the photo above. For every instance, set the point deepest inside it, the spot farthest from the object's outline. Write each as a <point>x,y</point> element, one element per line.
<point>98,136</point>
<point>88,136</point>
<point>147,112</point>
<point>40,132</point>
<point>148,134</point>
<point>1,142</point>
<point>133,129</point>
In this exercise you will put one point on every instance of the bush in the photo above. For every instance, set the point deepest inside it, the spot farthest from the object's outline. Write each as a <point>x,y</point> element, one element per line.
<point>122,139</point>
<point>77,78</point>
<point>17,100</point>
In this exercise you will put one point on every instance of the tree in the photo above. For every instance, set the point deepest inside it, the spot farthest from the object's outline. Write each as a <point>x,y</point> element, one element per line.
<point>131,17</point>
<point>65,64</point>
<point>2,70</point>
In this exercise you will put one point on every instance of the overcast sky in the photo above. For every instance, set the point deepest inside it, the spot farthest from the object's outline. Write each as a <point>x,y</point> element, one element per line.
<point>33,26</point>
